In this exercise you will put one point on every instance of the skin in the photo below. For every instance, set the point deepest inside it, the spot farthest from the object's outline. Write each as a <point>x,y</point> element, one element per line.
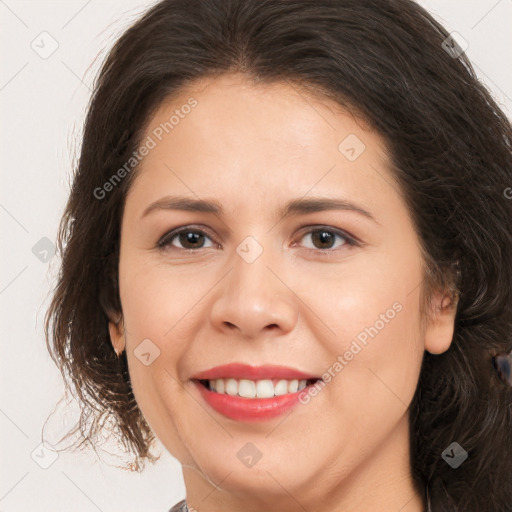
<point>253,148</point>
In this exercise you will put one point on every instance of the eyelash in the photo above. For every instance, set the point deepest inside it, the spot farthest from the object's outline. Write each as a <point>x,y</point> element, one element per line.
<point>165,242</point>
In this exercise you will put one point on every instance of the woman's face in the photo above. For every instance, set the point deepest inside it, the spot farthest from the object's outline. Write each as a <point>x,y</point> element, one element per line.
<point>329,291</point>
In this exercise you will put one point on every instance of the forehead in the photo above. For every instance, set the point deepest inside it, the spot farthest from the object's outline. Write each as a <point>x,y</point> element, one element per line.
<point>233,108</point>
<point>230,137</point>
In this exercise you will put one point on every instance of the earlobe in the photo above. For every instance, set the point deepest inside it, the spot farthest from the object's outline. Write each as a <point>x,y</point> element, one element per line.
<point>441,323</point>
<point>117,336</point>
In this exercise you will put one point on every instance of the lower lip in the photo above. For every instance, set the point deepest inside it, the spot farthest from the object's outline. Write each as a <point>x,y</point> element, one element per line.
<point>249,409</point>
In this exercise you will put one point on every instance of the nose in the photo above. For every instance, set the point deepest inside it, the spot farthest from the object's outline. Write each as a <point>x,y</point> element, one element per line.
<point>253,300</point>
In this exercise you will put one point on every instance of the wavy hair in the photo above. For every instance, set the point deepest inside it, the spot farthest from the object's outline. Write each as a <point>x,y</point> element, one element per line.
<point>393,65</point>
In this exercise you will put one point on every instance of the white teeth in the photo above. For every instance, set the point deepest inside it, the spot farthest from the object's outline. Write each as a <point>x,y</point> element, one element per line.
<point>281,388</point>
<point>264,389</point>
<point>293,386</point>
<point>231,387</point>
<point>247,388</point>
<point>219,386</point>
<point>256,389</point>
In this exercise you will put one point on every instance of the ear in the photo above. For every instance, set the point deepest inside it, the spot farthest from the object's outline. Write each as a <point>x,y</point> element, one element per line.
<point>116,331</point>
<point>441,323</point>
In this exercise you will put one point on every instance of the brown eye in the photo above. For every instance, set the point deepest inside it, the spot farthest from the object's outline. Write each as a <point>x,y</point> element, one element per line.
<point>325,238</point>
<point>186,238</point>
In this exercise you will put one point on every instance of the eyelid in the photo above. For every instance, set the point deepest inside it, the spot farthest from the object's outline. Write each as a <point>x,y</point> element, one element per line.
<point>350,240</point>
<point>169,235</point>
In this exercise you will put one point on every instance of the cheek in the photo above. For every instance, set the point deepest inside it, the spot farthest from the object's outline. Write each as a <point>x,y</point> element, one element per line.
<point>377,346</point>
<point>151,310</point>
<point>154,299</point>
<point>165,306</point>
<point>381,365</point>
<point>368,297</point>
<point>156,314</point>
<point>377,333</point>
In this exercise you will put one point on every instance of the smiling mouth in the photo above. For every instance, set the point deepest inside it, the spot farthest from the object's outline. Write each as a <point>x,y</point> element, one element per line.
<point>264,388</point>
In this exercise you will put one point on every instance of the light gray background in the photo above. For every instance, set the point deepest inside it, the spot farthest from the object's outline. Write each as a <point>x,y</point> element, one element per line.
<point>42,102</point>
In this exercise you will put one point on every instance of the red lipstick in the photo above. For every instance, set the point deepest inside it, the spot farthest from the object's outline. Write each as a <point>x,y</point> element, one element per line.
<point>250,409</point>
<point>245,371</point>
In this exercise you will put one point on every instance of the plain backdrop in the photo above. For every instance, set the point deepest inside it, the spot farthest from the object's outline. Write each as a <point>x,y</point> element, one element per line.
<point>51,51</point>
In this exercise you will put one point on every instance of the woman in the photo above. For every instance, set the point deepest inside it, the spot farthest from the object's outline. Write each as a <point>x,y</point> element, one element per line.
<point>287,254</point>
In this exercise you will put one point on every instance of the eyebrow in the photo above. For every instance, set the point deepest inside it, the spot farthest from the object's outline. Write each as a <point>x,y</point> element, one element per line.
<point>300,206</point>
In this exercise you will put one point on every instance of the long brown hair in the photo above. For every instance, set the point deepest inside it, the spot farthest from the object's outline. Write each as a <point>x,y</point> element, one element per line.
<point>450,146</point>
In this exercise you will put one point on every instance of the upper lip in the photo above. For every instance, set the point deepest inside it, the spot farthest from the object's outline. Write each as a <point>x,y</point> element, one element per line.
<point>245,371</point>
